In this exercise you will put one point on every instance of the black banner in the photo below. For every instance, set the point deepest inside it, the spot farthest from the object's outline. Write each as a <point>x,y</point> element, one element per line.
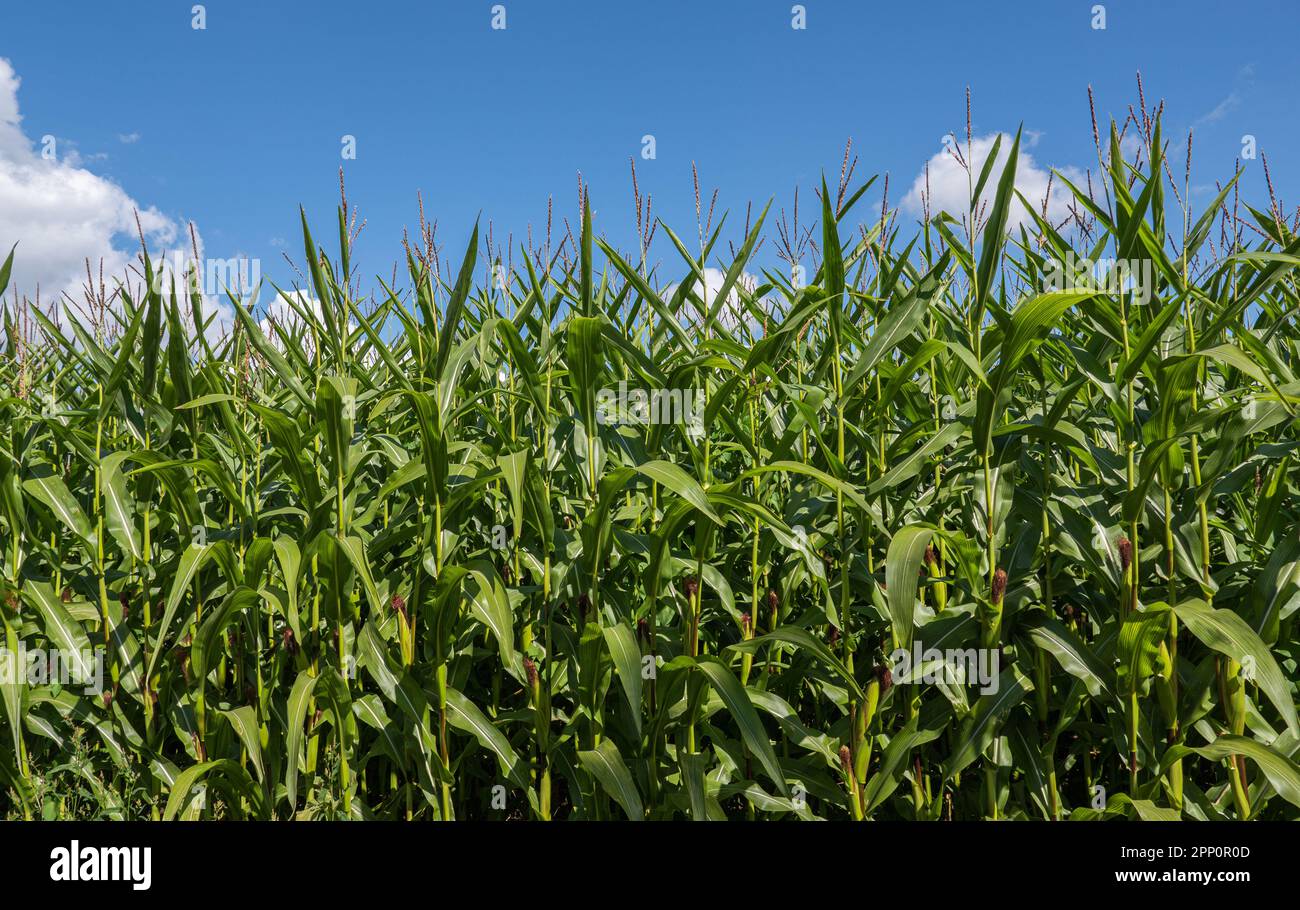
<point>143,860</point>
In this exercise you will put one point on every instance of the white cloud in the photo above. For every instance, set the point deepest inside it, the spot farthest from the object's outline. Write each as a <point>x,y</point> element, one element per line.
<point>10,134</point>
<point>950,187</point>
<point>128,138</point>
<point>288,316</point>
<point>1220,110</point>
<point>732,313</point>
<point>1244,81</point>
<point>283,310</point>
<point>60,214</point>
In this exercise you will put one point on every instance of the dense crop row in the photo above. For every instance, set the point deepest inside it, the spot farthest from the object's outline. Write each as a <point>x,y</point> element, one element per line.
<point>589,540</point>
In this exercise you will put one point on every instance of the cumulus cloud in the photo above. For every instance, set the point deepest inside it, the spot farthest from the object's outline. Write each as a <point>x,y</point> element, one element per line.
<point>949,189</point>
<point>61,214</point>
<point>732,314</point>
<point>287,309</point>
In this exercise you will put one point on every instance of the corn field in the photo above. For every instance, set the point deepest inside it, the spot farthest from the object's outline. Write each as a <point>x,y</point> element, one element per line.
<point>903,528</point>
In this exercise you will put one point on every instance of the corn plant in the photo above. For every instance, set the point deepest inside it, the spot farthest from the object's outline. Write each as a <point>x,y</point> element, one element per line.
<point>928,535</point>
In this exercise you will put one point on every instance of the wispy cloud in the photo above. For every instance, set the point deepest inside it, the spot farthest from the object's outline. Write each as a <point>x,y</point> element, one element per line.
<point>1220,110</point>
<point>1242,82</point>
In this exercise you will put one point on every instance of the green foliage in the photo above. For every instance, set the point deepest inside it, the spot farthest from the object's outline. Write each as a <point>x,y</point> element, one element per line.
<point>396,560</point>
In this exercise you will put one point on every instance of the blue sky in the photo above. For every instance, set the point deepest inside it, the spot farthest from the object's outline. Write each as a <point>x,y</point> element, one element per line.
<point>233,126</point>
